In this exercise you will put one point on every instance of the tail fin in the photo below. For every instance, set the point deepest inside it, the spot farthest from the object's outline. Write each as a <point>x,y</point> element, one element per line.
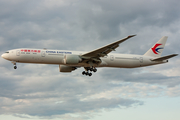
<point>157,48</point>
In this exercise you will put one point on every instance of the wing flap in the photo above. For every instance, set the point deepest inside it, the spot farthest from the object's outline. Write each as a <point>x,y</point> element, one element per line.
<point>103,51</point>
<point>164,57</point>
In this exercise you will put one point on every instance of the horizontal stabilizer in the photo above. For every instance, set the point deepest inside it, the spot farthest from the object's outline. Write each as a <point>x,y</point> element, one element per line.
<point>164,57</point>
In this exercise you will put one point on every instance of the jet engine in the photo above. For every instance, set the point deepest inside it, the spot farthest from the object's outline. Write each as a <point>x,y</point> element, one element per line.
<point>72,59</point>
<point>64,68</point>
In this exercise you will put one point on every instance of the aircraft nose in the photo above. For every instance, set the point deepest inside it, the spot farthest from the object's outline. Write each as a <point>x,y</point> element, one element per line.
<point>2,55</point>
<point>5,56</point>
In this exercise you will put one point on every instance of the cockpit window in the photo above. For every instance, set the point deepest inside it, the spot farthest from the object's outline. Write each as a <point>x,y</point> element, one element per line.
<point>7,52</point>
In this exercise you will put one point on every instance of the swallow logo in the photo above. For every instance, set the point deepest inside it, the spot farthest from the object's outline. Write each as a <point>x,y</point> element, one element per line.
<point>155,49</point>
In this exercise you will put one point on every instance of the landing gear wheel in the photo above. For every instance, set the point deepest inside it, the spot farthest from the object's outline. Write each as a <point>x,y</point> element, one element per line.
<point>90,74</point>
<point>86,73</point>
<point>83,72</point>
<point>15,67</point>
<point>91,69</point>
<point>94,70</point>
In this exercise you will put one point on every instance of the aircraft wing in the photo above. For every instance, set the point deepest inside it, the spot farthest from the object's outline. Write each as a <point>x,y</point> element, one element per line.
<point>103,51</point>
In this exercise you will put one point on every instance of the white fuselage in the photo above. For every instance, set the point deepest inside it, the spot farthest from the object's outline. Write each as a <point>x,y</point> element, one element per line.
<point>46,56</point>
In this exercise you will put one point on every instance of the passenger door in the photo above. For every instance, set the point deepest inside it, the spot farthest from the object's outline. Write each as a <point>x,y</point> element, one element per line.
<point>43,54</point>
<point>111,57</point>
<point>18,52</point>
<point>141,59</point>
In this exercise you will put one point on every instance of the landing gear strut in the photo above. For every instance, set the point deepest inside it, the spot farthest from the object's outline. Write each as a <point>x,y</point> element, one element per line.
<point>87,69</point>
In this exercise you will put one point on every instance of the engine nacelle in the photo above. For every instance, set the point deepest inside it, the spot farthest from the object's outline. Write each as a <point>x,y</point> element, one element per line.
<point>64,68</point>
<point>72,59</point>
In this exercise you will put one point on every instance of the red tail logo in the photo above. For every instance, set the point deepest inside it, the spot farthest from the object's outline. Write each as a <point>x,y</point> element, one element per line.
<point>155,49</point>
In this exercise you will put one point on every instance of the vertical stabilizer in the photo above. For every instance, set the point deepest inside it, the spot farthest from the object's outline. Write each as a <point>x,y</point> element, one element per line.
<point>157,48</point>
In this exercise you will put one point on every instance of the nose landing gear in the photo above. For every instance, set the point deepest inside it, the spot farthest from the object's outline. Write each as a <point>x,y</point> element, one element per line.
<point>14,63</point>
<point>15,67</point>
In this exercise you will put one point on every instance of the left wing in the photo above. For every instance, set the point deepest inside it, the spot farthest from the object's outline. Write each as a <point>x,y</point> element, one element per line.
<point>103,51</point>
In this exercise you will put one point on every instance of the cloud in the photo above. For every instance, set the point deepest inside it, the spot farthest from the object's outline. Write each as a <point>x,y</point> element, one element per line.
<point>141,76</point>
<point>53,95</point>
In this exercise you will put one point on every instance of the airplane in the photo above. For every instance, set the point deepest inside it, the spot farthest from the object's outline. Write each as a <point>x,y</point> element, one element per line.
<point>69,61</point>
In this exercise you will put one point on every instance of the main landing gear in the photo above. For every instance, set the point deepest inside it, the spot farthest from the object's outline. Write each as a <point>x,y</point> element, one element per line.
<point>14,63</point>
<point>87,69</point>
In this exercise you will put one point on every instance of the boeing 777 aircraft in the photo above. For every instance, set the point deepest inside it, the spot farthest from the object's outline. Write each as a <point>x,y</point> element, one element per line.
<point>101,57</point>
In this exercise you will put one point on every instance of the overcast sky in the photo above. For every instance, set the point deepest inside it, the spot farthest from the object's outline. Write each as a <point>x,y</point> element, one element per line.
<point>41,92</point>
